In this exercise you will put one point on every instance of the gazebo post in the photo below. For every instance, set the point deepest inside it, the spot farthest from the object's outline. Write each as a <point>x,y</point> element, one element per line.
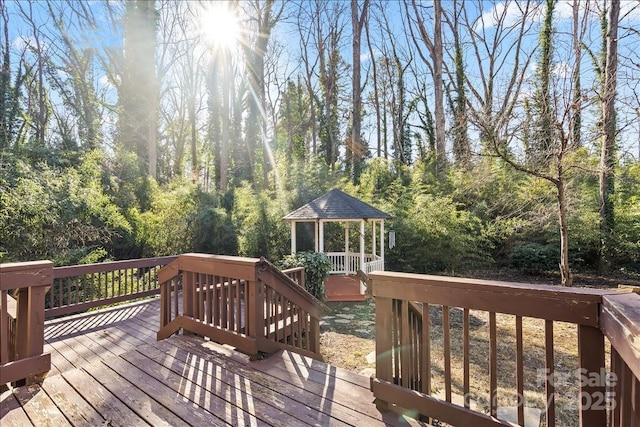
<point>373,238</point>
<point>321,237</point>
<point>346,248</point>
<point>293,237</point>
<point>382,243</point>
<point>362,289</point>
<point>317,236</point>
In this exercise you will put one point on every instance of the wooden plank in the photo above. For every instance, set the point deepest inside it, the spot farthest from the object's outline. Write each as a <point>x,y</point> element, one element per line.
<point>327,396</point>
<point>24,368</point>
<point>269,404</point>
<point>433,407</point>
<point>11,412</point>
<point>104,402</point>
<point>141,403</point>
<point>190,385</point>
<point>164,394</point>
<point>39,407</point>
<point>71,403</point>
<point>321,382</point>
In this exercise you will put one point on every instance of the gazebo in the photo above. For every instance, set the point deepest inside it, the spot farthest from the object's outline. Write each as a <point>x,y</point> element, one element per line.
<point>337,206</point>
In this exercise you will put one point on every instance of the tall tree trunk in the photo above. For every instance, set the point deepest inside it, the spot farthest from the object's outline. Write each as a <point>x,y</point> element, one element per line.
<point>376,99</point>
<point>436,54</point>
<point>357,146</point>
<point>607,155</point>
<point>226,122</point>
<point>565,270</point>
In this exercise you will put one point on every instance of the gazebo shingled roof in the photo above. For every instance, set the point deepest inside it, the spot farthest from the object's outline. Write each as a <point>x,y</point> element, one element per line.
<point>336,205</point>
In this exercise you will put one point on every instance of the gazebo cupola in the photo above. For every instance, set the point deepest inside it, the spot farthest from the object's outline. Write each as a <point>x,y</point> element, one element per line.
<point>337,206</point>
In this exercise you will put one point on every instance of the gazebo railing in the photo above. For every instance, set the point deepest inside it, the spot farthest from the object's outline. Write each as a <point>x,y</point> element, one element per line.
<point>349,263</point>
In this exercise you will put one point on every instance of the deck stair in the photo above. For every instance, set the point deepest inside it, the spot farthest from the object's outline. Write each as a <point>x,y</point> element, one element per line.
<point>247,303</point>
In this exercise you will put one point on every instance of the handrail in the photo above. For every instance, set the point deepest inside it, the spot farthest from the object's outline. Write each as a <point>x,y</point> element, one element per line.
<point>244,302</point>
<point>297,274</point>
<point>78,288</point>
<point>406,369</point>
<point>22,357</point>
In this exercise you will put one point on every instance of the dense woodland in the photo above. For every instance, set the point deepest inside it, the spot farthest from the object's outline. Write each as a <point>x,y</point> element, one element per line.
<point>498,134</point>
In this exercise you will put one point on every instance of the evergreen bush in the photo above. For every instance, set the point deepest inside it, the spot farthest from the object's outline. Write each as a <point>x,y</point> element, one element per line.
<point>316,270</point>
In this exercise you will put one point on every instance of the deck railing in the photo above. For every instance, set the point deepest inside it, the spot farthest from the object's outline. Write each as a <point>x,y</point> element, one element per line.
<point>296,274</point>
<point>22,292</point>
<point>470,363</point>
<point>81,287</point>
<point>244,302</point>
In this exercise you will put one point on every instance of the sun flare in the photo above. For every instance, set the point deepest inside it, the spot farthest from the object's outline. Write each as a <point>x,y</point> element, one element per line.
<point>220,25</point>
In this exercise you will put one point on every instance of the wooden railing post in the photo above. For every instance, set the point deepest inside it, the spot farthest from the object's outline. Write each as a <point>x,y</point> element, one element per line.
<point>592,377</point>
<point>31,280</point>
<point>384,360</point>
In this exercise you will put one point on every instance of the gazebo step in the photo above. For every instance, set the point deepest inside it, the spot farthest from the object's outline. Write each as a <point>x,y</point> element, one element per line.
<point>343,288</point>
<point>345,298</point>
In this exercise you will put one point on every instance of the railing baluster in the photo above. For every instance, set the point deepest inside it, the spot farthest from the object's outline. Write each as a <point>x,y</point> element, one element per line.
<point>446,336</point>
<point>4,328</point>
<point>426,350</point>
<point>549,373</point>
<point>626,401</point>
<point>465,357</point>
<point>396,339</point>
<point>405,336</point>
<point>493,366</point>
<point>614,409</point>
<point>519,370</point>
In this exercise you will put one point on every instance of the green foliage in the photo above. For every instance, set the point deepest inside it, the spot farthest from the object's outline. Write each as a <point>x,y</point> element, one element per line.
<point>316,270</point>
<point>437,237</point>
<point>165,228</point>
<point>535,257</point>
<point>57,214</point>
<point>257,217</point>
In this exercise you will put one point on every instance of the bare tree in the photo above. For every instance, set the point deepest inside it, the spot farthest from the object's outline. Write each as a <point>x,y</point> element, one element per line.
<point>433,44</point>
<point>607,155</point>
<point>263,16</point>
<point>357,147</point>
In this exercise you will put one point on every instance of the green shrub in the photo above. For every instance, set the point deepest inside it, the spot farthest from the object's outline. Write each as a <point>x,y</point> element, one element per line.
<point>316,270</point>
<point>535,257</point>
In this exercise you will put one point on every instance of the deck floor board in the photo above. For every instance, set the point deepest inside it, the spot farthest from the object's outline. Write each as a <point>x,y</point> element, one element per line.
<point>110,370</point>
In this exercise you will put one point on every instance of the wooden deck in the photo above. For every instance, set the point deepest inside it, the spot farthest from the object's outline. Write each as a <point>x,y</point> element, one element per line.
<point>108,369</point>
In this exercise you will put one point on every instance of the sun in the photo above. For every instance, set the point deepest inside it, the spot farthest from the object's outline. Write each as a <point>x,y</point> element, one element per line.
<point>219,24</point>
